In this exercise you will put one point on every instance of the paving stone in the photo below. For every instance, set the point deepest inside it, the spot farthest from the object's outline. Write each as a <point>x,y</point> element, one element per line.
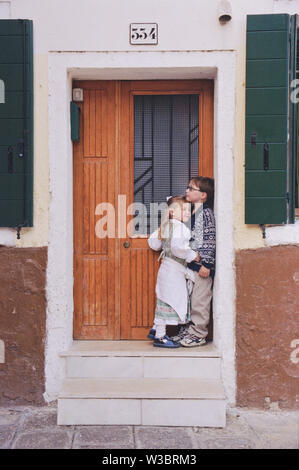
<point>261,421</point>
<point>227,443</point>
<point>104,437</point>
<point>235,426</point>
<point>275,430</point>
<point>40,418</point>
<point>45,439</point>
<point>278,442</point>
<point>6,436</point>
<point>10,416</point>
<point>163,438</point>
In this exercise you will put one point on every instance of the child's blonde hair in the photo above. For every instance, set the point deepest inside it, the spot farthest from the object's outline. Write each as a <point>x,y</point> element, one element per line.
<point>164,227</point>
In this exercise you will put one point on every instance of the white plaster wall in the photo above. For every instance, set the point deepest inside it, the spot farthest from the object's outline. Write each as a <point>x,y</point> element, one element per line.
<point>103,25</point>
<point>5,10</point>
<point>282,235</point>
<point>90,39</point>
<point>160,65</point>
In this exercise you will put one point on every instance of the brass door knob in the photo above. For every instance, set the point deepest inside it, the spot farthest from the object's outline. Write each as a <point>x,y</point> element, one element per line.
<point>126,244</point>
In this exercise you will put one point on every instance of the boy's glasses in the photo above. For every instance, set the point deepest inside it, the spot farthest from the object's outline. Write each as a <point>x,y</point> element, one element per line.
<point>190,188</point>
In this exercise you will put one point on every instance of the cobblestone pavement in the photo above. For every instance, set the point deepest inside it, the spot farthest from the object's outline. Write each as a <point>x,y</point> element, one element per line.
<point>25,427</point>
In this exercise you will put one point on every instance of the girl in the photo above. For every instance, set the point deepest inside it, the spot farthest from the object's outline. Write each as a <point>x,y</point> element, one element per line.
<point>171,287</point>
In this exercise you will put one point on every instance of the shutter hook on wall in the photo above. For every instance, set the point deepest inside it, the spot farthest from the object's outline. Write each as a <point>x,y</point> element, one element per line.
<point>19,229</point>
<point>263,228</point>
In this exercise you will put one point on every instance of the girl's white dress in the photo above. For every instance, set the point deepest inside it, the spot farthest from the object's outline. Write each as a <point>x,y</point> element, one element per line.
<point>171,286</point>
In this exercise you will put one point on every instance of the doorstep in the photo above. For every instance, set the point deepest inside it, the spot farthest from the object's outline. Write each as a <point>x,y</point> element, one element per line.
<point>132,382</point>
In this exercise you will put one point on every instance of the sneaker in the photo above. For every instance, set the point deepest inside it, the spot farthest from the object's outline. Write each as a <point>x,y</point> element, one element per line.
<point>190,341</point>
<point>152,334</point>
<point>165,342</point>
<point>183,331</point>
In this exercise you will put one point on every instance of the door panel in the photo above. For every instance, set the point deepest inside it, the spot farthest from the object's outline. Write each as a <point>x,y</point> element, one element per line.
<point>138,263</point>
<point>95,287</point>
<point>114,277</point>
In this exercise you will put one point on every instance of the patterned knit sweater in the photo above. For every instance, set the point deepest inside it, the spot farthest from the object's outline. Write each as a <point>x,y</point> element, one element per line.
<point>203,238</point>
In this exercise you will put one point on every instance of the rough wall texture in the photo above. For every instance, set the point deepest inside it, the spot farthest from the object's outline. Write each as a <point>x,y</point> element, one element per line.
<point>267,327</point>
<point>22,324</point>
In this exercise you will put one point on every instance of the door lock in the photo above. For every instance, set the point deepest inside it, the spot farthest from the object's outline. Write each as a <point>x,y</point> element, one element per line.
<point>126,244</point>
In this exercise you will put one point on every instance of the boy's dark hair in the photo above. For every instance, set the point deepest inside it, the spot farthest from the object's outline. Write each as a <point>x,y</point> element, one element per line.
<point>205,184</point>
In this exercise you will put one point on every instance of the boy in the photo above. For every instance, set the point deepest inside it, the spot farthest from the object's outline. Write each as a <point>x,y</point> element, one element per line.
<point>200,192</point>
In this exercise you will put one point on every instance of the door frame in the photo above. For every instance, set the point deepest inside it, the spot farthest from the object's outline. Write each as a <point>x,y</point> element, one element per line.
<point>63,67</point>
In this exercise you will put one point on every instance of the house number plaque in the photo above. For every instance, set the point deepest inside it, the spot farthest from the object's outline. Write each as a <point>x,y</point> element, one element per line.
<point>143,33</point>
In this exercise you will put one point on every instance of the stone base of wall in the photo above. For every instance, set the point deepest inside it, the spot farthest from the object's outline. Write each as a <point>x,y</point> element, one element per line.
<point>267,327</point>
<point>22,324</point>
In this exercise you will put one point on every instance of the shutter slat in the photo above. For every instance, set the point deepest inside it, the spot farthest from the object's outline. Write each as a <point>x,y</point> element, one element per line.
<point>265,101</point>
<point>271,184</point>
<point>270,73</point>
<point>267,22</point>
<point>268,128</point>
<point>267,45</point>
<point>255,157</point>
<point>271,210</point>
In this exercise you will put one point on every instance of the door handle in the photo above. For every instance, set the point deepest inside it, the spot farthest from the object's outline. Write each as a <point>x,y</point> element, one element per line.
<point>266,156</point>
<point>10,160</point>
<point>253,139</point>
<point>21,148</point>
<point>126,244</point>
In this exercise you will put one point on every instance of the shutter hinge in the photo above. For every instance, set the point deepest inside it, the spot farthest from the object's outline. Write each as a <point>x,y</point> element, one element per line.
<point>288,197</point>
<point>19,227</point>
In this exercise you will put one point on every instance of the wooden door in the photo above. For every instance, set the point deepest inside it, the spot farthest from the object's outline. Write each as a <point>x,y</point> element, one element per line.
<point>138,263</point>
<point>114,277</point>
<point>94,180</point>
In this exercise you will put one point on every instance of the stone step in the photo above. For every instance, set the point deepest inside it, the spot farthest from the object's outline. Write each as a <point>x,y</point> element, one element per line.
<point>119,359</point>
<point>144,401</point>
<point>142,388</point>
<point>135,348</point>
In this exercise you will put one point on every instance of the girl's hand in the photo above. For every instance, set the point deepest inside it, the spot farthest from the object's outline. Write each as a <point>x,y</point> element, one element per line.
<point>197,257</point>
<point>204,272</point>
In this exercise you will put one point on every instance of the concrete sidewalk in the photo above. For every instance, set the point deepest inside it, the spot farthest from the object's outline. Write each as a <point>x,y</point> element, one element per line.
<point>25,427</point>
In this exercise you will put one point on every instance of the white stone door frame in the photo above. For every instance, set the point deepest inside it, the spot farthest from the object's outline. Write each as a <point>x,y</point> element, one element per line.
<point>63,67</point>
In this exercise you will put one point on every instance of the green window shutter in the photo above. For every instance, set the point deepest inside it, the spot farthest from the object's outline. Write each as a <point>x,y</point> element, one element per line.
<point>267,108</point>
<point>75,122</point>
<point>293,119</point>
<point>16,123</point>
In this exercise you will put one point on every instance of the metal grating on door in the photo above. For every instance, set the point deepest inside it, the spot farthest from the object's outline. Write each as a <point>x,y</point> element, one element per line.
<point>166,148</point>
